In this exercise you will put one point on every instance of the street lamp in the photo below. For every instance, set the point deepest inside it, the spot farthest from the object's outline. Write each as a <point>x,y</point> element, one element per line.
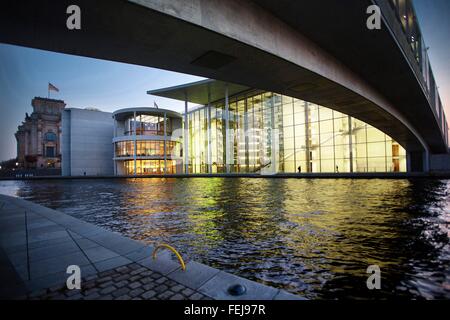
<point>17,164</point>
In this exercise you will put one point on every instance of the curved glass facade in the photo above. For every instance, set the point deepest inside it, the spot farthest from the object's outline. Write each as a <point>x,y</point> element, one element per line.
<point>150,167</point>
<point>147,125</point>
<point>145,144</point>
<point>287,135</point>
<point>146,148</point>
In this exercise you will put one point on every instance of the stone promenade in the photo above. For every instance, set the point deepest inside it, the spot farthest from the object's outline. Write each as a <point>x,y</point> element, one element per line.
<point>37,244</point>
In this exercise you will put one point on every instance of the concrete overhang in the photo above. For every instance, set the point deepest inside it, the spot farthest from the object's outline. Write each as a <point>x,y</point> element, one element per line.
<point>200,92</point>
<point>252,44</point>
<point>125,113</point>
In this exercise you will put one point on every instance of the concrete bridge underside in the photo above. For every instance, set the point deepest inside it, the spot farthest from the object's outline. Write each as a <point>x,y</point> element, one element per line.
<point>252,43</point>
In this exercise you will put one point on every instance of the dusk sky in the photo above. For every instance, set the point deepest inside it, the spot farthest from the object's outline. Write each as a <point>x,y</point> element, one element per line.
<point>108,86</point>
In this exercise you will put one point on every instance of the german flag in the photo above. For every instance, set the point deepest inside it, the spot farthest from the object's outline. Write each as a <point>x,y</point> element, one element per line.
<point>52,87</point>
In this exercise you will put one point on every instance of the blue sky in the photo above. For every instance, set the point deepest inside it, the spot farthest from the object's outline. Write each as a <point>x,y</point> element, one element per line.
<point>108,86</point>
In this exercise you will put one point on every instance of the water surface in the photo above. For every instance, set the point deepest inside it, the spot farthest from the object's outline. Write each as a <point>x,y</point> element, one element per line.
<point>314,237</point>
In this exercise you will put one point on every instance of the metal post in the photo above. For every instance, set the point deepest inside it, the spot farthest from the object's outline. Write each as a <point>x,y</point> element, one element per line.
<point>209,132</point>
<point>165,143</point>
<point>273,152</point>
<point>227,128</point>
<point>135,144</point>
<point>114,146</point>
<point>350,142</point>
<point>307,144</point>
<point>186,134</point>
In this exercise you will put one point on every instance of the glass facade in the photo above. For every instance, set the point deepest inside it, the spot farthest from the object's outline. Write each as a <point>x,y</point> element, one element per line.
<point>274,133</point>
<point>143,142</point>
<point>146,148</point>
<point>149,167</point>
<point>147,125</point>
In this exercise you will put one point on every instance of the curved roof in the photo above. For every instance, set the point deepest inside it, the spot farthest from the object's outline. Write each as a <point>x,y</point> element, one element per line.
<point>126,112</point>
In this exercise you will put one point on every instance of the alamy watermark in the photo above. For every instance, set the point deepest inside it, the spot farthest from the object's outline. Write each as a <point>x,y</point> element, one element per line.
<point>374,280</point>
<point>373,22</point>
<point>73,22</point>
<point>74,280</point>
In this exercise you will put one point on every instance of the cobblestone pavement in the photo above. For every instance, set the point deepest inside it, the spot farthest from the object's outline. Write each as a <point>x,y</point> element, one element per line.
<point>129,282</point>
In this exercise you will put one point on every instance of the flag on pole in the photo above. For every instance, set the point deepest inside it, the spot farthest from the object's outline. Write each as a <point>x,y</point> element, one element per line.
<point>52,88</point>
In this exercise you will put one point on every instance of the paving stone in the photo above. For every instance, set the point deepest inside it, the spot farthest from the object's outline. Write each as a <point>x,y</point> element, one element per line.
<point>93,296</point>
<point>135,285</point>
<point>121,284</point>
<point>106,284</point>
<point>120,292</point>
<point>122,277</point>
<point>123,269</point>
<point>108,290</point>
<point>146,280</point>
<point>161,288</point>
<point>104,279</point>
<point>187,292</point>
<point>135,277</point>
<point>72,292</point>
<point>137,271</point>
<point>149,294</point>
<point>196,296</point>
<point>161,280</point>
<point>149,286</point>
<point>177,287</point>
<point>136,292</point>
<point>165,295</point>
<point>106,273</point>
<point>78,296</point>
<point>177,297</point>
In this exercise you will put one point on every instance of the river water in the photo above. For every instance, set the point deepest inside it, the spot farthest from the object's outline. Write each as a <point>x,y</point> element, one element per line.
<point>314,237</point>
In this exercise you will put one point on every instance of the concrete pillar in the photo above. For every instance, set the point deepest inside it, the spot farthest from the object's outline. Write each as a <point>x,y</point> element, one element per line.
<point>246,131</point>
<point>426,161</point>
<point>227,129</point>
<point>165,143</point>
<point>114,145</point>
<point>350,142</point>
<point>135,143</point>
<point>307,144</point>
<point>186,135</point>
<point>209,132</point>
<point>274,141</point>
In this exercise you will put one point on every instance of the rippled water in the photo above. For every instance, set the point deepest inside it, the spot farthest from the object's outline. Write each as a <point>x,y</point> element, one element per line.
<point>312,237</point>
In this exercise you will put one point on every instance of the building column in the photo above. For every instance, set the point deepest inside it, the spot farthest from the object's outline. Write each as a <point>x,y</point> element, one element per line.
<point>209,132</point>
<point>426,161</point>
<point>186,135</point>
<point>350,142</point>
<point>114,145</point>
<point>165,143</point>
<point>227,128</point>
<point>246,136</point>
<point>135,144</point>
<point>273,142</point>
<point>307,144</point>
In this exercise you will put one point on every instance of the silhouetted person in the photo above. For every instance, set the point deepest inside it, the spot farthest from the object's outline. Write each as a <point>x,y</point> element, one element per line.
<point>84,173</point>
<point>299,169</point>
<point>337,169</point>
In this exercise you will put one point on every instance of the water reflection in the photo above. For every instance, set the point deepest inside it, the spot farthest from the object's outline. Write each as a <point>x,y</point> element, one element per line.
<point>314,237</point>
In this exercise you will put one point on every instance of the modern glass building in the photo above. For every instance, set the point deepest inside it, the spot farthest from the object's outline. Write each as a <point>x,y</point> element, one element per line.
<point>271,133</point>
<point>146,142</point>
<point>236,129</point>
